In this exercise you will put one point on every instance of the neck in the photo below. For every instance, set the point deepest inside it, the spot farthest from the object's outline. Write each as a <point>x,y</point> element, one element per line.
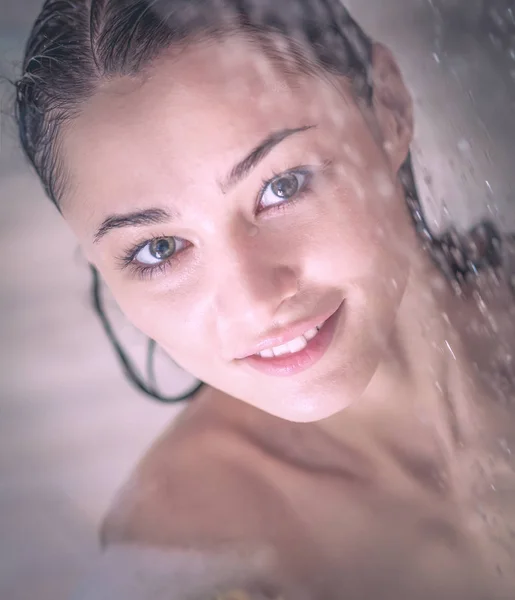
<point>423,389</point>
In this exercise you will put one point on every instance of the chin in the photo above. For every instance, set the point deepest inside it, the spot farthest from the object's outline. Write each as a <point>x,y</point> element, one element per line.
<point>307,410</point>
<point>326,396</point>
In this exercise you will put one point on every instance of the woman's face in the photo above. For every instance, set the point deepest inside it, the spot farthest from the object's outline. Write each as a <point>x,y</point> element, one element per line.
<point>232,209</point>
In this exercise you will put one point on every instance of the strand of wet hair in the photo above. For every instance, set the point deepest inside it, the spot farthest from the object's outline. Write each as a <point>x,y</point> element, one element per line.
<point>131,372</point>
<point>458,256</point>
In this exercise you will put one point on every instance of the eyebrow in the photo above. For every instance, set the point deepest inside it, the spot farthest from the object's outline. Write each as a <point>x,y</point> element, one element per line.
<point>244,167</point>
<point>139,218</point>
<point>156,216</point>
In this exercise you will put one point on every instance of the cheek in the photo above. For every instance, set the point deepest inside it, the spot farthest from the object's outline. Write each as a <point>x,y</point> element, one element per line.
<point>160,315</point>
<point>359,235</point>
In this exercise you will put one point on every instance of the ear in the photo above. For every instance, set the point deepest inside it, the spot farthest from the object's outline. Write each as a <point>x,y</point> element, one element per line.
<point>393,106</point>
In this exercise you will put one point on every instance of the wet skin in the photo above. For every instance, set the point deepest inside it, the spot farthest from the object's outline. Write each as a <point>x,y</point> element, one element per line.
<point>362,475</point>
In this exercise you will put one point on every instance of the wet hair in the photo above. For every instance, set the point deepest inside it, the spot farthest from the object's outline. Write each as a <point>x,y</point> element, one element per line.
<point>75,45</point>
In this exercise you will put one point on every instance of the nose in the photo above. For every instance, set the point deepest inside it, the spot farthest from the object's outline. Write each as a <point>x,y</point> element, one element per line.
<point>252,283</point>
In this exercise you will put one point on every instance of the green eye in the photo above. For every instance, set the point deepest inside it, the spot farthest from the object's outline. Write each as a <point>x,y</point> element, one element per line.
<point>157,251</point>
<point>162,248</point>
<point>286,186</point>
<point>283,188</point>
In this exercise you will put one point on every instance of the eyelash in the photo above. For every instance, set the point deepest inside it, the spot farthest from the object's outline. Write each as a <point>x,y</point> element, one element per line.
<point>288,203</point>
<point>148,271</point>
<point>143,271</point>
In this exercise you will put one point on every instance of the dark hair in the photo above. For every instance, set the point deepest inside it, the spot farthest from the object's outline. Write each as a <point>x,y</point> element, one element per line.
<point>75,45</point>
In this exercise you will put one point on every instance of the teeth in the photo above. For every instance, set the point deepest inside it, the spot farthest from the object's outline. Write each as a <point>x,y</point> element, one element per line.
<point>297,344</point>
<point>280,350</point>
<point>309,335</point>
<point>292,347</point>
<point>267,354</point>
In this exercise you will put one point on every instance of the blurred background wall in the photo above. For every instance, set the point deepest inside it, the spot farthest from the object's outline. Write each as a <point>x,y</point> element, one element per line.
<point>71,428</point>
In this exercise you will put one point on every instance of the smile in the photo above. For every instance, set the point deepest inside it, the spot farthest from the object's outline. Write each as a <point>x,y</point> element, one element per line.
<point>293,346</point>
<point>298,354</point>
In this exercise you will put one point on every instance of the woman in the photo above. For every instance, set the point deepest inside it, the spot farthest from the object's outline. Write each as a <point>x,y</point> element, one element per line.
<point>238,172</point>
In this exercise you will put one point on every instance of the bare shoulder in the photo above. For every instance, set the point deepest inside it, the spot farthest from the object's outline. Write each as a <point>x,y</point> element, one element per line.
<point>148,573</point>
<point>190,523</point>
<point>199,483</point>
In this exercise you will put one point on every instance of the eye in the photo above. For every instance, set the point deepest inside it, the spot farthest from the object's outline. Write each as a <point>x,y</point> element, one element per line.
<point>158,250</point>
<point>283,187</point>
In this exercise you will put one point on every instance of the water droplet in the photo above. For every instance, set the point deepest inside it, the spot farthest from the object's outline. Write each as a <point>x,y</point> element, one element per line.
<point>504,446</point>
<point>450,349</point>
<point>464,146</point>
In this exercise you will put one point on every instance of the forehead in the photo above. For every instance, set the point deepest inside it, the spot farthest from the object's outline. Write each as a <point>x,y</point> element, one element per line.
<point>204,105</point>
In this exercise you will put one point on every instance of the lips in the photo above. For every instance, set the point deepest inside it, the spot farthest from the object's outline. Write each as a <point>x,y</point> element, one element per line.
<point>287,335</point>
<point>295,345</point>
<point>291,364</point>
